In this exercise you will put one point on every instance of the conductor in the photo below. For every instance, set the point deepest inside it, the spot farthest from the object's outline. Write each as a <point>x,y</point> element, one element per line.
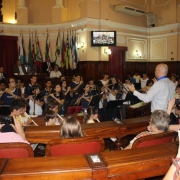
<point>160,93</point>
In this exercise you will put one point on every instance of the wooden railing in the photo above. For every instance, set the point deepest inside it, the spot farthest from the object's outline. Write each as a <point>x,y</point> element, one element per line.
<point>127,165</point>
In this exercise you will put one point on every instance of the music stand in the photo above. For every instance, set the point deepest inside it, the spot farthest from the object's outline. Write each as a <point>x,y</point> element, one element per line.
<point>114,104</point>
<point>95,100</point>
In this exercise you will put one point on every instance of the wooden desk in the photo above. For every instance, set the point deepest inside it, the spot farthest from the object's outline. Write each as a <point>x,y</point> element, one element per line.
<point>138,110</point>
<point>41,122</point>
<point>127,165</point>
<point>43,134</point>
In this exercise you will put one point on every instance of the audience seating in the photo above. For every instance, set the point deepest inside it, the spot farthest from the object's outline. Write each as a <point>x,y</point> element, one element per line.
<point>74,146</point>
<point>155,139</point>
<point>74,109</point>
<point>15,150</point>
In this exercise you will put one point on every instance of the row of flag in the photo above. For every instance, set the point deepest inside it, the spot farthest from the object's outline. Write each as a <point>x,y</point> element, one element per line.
<point>65,53</point>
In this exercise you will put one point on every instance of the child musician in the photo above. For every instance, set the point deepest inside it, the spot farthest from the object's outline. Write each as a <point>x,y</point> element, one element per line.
<point>51,118</point>
<point>76,86</point>
<point>85,98</point>
<point>58,96</point>
<point>36,102</point>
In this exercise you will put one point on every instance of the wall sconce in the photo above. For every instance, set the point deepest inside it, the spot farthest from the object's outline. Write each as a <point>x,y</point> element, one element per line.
<point>107,51</point>
<point>80,46</point>
<point>138,53</point>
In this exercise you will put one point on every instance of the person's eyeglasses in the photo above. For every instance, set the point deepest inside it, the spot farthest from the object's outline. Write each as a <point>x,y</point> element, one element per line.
<point>12,81</point>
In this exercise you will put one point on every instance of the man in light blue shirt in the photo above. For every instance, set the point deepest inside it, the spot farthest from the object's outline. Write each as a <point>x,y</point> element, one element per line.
<point>160,93</point>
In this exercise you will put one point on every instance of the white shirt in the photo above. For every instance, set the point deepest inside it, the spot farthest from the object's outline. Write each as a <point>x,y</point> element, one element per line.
<point>55,74</point>
<point>159,94</point>
<point>143,82</point>
<point>138,78</point>
<point>20,70</point>
<point>101,101</point>
<point>38,109</point>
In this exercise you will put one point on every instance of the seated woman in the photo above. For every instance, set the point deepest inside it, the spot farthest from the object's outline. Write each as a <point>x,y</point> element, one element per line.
<point>159,123</point>
<point>12,133</point>
<point>91,115</point>
<point>71,128</point>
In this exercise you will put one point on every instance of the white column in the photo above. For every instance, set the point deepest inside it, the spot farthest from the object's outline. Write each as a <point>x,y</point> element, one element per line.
<point>21,3</point>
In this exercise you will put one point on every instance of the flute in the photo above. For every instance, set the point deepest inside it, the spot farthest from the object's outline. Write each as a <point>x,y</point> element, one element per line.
<point>60,117</point>
<point>78,99</point>
<point>97,120</point>
<point>32,120</point>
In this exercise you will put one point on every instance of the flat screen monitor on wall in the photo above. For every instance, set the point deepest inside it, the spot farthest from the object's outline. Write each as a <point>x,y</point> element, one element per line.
<point>103,38</point>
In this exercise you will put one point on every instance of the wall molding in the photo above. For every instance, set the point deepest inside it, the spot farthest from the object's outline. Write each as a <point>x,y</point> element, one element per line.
<point>126,1</point>
<point>152,43</point>
<point>154,4</point>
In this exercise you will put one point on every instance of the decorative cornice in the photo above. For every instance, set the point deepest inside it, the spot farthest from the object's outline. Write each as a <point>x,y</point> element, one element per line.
<point>171,29</point>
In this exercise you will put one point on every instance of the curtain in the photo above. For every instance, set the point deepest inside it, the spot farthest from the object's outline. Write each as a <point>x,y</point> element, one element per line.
<point>116,61</point>
<point>8,53</point>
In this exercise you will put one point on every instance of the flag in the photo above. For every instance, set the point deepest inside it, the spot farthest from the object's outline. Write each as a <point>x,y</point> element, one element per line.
<point>22,55</point>
<point>67,52</point>
<point>58,51</point>
<point>29,52</point>
<point>33,52</point>
<point>75,53</point>
<point>71,52</point>
<point>39,58</point>
<point>47,48</point>
<point>63,52</point>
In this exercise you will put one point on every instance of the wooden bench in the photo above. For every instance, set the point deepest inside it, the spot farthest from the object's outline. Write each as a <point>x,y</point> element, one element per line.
<point>127,164</point>
<point>43,134</point>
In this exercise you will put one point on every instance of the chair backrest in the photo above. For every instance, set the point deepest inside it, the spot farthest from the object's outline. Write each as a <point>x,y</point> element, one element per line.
<point>74,146</point>
<point>15,150</point>
<point>155,139</point>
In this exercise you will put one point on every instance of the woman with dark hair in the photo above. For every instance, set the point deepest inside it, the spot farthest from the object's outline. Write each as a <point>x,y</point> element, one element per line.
<point>58,96</point>
<point>36,101</point>
<point>91,115</point>
<point>71,128</point>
